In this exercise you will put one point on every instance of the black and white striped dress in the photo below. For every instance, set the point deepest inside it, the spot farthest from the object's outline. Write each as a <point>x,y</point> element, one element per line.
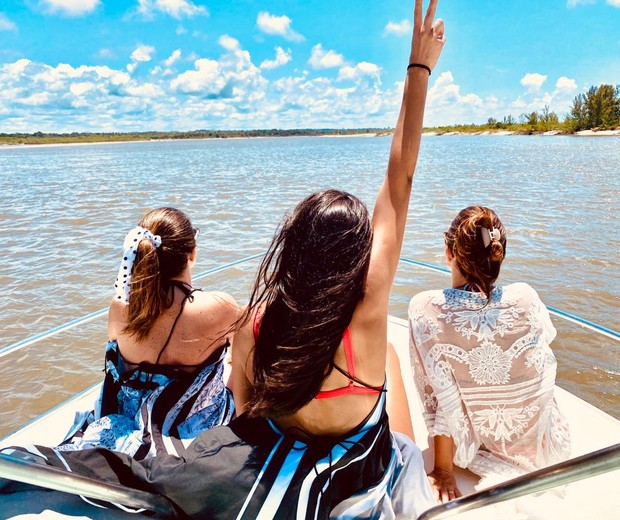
<point>252,470</point>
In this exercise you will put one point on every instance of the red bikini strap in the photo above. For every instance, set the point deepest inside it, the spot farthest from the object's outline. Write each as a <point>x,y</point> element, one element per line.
<point>348,351</point>
<point>256,324</point>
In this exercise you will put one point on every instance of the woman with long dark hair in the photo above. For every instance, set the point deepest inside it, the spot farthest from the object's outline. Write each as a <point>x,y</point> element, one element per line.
<point>310,359</point>
<point>483,365</point>
<point>164,360</point>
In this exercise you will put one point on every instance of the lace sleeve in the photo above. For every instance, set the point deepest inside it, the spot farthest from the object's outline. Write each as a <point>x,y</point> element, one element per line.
<point>547,330</point>
<point>419,330</point>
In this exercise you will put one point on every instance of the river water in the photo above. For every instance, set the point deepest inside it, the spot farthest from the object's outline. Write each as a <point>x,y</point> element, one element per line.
<point>65,210</point>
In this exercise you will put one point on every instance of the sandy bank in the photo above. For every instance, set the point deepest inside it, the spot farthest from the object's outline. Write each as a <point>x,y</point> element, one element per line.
<point>585,133</point>
<point>597,133</point>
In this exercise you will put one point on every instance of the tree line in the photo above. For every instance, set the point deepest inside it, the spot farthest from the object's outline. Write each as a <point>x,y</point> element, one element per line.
<point>98,137</point>
<point>598,108</point>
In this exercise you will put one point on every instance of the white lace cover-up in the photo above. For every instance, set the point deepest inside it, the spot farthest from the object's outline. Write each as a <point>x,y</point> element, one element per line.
<point>486,374</point>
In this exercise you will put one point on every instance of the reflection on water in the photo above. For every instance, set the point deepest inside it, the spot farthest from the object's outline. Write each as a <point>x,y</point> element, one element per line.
<point>65,211</point>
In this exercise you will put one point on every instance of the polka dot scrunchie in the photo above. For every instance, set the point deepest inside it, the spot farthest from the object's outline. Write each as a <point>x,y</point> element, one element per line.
<point>130,246</point>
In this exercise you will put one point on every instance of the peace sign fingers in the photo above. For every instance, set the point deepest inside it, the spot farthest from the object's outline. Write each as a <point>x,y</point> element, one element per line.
<point>430,14</point>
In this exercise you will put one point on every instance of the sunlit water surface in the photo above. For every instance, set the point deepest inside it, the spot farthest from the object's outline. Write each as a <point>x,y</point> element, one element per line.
<point>66,209</point>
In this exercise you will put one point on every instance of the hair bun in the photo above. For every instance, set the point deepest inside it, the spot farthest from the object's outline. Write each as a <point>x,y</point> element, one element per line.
<point>497,251</point>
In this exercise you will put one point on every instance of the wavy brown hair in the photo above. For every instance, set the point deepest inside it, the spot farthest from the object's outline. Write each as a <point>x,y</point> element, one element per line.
<point>307,288</point>
<point>479,265</point>
<point>150,292</point>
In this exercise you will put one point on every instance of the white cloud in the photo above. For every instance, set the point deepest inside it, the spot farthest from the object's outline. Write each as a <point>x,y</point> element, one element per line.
<point>447,105</point>
<point>229,91</point>
<point>278,26</point>
<point>282,58</point>
<point>614,3</point>
<point>565,84</point>
<point>398,28</point>
<point>142,54</point>
<point>174,57</point>
<point>6,24</point>
<point>206,78</point>
<point>146,90</point>
<point>18,67</point>
<point>533,81</point>
<point>229,43</point>
<point>321,59</point>
<point>77,89</point>
<point>363,69</point>
<point>175,8</point>
<point>69,7</point>
<point>35,99</point>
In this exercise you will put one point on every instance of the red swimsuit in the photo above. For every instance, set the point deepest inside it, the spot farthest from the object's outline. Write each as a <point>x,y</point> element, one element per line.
<point>360,388</point>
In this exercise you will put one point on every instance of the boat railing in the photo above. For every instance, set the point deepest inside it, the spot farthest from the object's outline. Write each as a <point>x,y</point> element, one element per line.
<point>47,477</point>
<point>572,470</point>
<point>89,317</point>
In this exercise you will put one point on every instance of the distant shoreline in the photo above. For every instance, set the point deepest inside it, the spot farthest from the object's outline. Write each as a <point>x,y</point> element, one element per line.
<point>581,133</point>
<point>41,139</point>
<point>50,139</point>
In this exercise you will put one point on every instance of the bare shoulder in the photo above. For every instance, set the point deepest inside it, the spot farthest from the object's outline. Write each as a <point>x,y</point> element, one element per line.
<point>117,309</point>
<point>215,305</point>
<point>116,319</point>
<point>214,300</point>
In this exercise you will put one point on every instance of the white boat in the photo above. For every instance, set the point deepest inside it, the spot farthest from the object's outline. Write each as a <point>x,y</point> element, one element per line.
<point>594,469</point>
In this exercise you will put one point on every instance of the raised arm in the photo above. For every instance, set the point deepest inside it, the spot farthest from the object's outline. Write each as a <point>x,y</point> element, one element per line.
<point>390,212</point>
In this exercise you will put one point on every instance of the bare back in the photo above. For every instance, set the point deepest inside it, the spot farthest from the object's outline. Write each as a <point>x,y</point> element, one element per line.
<point>203,325</point>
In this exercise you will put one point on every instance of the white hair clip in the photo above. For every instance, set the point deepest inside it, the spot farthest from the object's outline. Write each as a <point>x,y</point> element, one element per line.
<point>130,247</point>
<point>488,235</point>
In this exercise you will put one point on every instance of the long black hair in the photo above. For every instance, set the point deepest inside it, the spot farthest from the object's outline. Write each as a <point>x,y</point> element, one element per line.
<point>305,293</point>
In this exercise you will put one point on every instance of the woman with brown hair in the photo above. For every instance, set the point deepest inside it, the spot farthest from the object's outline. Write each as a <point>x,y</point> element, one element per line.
<point>164,361</point>
<point>483,365</point>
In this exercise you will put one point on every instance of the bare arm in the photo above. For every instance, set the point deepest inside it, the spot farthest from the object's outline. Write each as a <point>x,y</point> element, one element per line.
<point>390,212</point>
<point>442,480</point>
<point>397,403</point>
<point>241,364</point>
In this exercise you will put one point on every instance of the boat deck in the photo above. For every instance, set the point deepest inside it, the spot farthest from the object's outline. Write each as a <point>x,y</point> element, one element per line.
<point>591,429</point>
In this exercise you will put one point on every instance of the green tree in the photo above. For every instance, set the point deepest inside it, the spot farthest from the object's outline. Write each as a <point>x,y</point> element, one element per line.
<point>578,119</point>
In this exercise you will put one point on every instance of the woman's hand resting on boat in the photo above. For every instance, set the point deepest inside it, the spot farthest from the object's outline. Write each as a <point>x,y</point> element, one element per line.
<point>443,484</point>
<point>428,36</point>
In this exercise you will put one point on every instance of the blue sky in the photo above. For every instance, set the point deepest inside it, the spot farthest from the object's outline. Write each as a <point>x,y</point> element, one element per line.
<point>112,65</point>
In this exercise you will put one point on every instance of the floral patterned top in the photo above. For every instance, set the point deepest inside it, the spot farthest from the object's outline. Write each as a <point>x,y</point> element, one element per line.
<point>486,375</point>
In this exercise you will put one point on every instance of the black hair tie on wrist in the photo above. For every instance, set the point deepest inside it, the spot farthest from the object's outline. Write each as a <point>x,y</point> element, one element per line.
<point>419,65</point>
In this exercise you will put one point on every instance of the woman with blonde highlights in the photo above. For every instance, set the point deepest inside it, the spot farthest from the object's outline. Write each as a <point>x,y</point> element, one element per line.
<point>164,361</point>
<point>483,365</point>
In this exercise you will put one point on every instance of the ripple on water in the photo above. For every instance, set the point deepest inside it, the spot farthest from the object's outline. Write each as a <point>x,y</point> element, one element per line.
<point>62,226</point>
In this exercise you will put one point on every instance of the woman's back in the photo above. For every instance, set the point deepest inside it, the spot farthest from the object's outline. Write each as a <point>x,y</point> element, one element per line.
<point>489,374</point>
<point>184,337</point>
<point>335,415</point>
<point>484,368</point>
<point>165,358</point>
